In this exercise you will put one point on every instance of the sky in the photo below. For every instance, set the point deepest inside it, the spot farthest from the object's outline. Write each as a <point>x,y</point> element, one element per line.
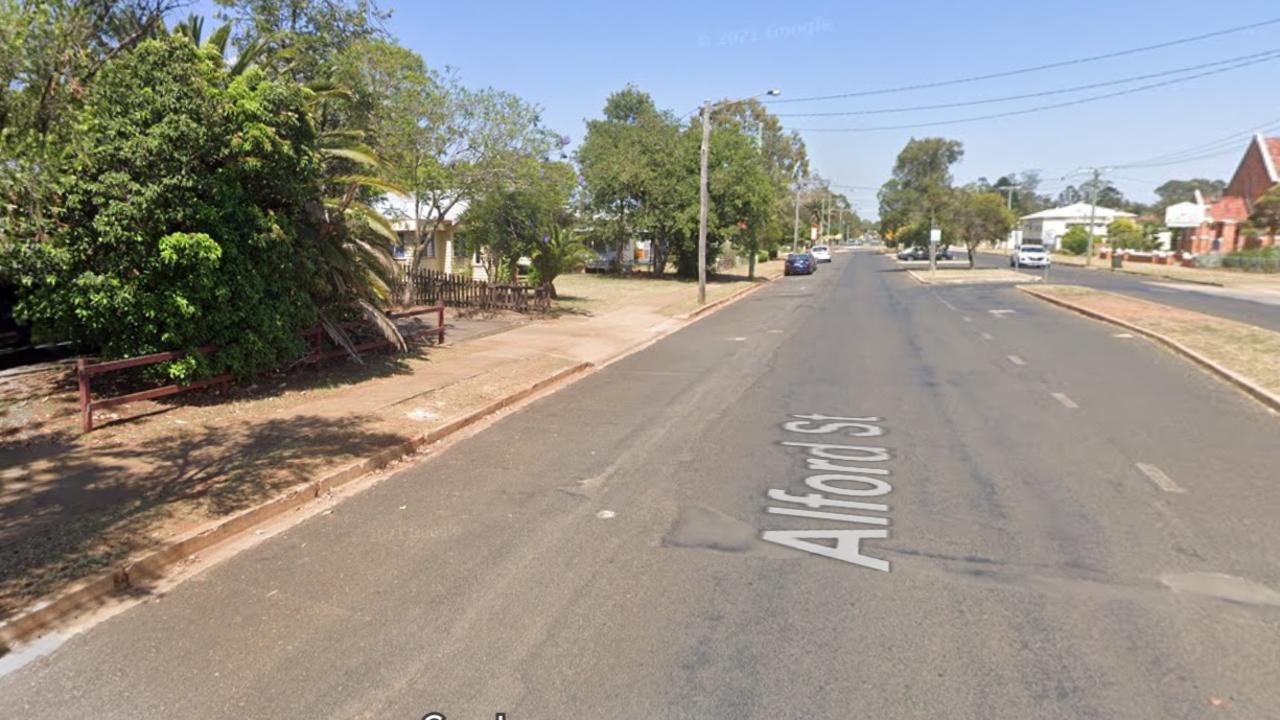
<point>568,56</point>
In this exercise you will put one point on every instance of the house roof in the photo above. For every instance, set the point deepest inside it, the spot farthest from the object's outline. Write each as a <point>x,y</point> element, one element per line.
<point>1228,209</point>
<point>399,210</point>
<point>1271,148</point>
<point>1079,211</point>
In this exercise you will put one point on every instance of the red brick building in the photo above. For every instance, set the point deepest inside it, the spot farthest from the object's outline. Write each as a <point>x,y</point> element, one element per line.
<point>1221,230</point>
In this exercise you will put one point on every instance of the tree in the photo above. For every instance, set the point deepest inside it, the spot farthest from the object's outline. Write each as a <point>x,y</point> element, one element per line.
<point>918,192</point>
<point>182,216</point>
<point>1076,240</point>
<point>1266,213</point>
<point>1175,191</point>
<point>1125,234</point>
<point>558,252</point>
<point>981,217</point>
<point>509,222</point>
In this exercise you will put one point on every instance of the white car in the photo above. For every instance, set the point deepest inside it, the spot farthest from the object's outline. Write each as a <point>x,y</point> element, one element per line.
<point>821,253</point>
<point>1029,256</point>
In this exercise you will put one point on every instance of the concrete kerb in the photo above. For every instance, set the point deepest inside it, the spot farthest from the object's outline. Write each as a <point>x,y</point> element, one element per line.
<point>1248,386</point>
<point>48,614</point>
<point>730,298</point>
<point>88,594</point>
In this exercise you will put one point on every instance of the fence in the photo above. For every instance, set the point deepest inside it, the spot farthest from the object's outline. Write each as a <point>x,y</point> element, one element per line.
<point>433,286</point>
<point>315,337</point>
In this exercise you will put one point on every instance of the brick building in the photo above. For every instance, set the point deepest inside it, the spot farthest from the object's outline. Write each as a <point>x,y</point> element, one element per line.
<point>1221,230</point>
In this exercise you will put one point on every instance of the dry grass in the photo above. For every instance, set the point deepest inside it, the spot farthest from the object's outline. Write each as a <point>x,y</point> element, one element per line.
<point>599,294</point>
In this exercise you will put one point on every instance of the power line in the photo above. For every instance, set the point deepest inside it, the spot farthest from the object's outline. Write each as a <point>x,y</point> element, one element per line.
<point>1042,93</point>
<point>1042,108</point>
<point>1208,149</point>
<point>1034,68</point>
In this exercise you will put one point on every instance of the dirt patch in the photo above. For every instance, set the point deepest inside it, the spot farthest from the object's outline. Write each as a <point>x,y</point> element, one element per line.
<point>592,294</point>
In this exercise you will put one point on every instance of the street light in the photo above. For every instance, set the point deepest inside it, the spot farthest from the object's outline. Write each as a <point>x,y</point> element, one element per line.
<point>703,200</point>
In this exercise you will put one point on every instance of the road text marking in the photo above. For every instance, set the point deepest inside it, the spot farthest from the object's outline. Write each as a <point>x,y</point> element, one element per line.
<point>1016,360</point>
<point>843,471</point>
<point>1068,402</point>
<point>1157,476</point>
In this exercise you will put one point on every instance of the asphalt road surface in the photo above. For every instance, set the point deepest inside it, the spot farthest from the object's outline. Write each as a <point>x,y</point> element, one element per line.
<point>1078,525</point>
<point>1255,308</point>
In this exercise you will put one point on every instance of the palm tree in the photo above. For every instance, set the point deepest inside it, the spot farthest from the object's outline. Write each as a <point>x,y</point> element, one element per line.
<point>559,252</point>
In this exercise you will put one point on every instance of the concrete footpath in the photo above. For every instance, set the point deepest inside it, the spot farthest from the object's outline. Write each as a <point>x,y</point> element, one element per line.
<point>82,521</point>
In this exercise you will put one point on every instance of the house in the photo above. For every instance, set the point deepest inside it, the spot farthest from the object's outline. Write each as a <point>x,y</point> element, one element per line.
<point>442,249</point>
<point>1048,226</point>
<point>1216,226</point>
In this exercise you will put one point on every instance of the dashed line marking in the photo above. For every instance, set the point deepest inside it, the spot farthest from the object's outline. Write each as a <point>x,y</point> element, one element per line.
<point>944,302</point>
<point>1124,336</point>
<point>1161,480</point>
<point>966,318</point>
<point>1001,313</point>
<point>737,339</point>
<point>1016,360</point>
<point>1066,401</point>
<point>775,331</point>
<point>988,336</point>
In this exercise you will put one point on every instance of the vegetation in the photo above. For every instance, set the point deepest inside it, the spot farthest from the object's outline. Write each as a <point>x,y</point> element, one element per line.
<point>1075,241</point>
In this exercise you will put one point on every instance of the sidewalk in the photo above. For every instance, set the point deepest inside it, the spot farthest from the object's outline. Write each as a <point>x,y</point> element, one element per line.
<point>75,506</point>
<point>1235,279</point>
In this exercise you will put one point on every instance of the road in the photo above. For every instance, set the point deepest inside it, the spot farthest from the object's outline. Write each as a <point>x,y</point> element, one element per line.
<point>1256,308</point>
<point>1078,526</point>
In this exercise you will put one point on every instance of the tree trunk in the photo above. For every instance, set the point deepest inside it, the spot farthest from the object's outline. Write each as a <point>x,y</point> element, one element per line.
<point>751,262</point>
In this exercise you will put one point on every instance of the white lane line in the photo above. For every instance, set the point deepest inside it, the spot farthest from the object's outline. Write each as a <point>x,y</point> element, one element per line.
<point>775,331</point>
<point>1124,336</point>
<point>1001,313</point>
<point>944,302</point>
<point>988,336</point>
<point>736,339</point>
<point>1157,476</point>
<point>1066,401</point>
<point>1016,360</point>
<point>966,318</point>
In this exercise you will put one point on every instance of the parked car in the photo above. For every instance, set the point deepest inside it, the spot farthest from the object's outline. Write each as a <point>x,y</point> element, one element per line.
<point>821,253</point>
<point>800,264</point>
<point>920,252</point>
<point>1029,256</point>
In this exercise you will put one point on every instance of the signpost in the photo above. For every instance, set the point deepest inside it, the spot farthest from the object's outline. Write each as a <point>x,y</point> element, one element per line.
<point>935,237</point>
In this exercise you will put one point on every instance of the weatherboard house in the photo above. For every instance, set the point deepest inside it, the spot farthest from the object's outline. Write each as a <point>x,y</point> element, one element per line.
<point>1048,226</point>
<point>1216,225</point>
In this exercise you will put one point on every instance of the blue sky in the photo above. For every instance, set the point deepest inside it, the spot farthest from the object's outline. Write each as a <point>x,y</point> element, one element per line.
<point>567,57</point>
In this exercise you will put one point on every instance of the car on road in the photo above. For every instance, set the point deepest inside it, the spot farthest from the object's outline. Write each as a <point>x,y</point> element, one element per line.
<point>920,252</point>
<point>800,264</point>
<point>821,253</point>
<point>1029,256</point>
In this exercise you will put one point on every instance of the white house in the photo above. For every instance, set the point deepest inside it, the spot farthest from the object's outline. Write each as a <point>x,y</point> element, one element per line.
<point>1048,226</point>
<point>439,251</point>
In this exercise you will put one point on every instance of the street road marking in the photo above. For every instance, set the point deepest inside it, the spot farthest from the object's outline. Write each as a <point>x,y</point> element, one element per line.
<point>966,318</point>
<point>1001,313</point>
<point>988,336</point>
<point>1125,336</point>
<point>736,339</point>
<point>1157,476</point>
<point>606,514</point>
<point>775,331</point>
<point>944,302</point>
<point>1062,398</point>
<point>844,484</point>
<point>1016,360</point>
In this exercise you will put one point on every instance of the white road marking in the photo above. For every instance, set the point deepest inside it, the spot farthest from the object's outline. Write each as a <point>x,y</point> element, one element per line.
<point>605,514</point>
<point>1157,476</point>
<point>944,302</point>
<point>988,336</point>
<point>1068,402</point>
<point>966,318</point>
<point>775,331</point>
<point>1002,312</point>
<point>736,339</point>
<point>1016,360</point>
<point>1124,336</point>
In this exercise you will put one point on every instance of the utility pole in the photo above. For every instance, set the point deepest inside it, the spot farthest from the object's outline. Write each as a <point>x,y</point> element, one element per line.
<point>795,238</point>
<point>1093,213</point>
<point>704,200</point>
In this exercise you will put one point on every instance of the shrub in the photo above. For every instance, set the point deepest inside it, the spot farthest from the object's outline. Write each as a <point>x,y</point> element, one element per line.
<point>1075,241</point>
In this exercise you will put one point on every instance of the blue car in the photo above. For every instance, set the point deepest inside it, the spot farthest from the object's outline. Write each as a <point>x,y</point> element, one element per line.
<point>800,264</point>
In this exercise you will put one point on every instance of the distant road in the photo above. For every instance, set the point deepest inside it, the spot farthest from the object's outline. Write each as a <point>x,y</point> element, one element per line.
<point>1208,300</point>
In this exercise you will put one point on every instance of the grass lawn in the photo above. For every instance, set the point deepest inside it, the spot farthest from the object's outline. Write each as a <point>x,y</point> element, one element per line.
<point>599,294</point>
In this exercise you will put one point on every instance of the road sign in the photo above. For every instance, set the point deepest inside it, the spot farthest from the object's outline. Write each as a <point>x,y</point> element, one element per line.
<point>935,236</point>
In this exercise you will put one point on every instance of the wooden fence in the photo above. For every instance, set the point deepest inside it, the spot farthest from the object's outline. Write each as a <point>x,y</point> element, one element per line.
<point>427,287</point>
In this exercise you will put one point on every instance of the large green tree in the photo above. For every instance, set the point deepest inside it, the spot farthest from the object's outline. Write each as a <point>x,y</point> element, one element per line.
<point>182,218</point>
<point>979,218</point>
<point>1175,191</point>
<point>919,193</point>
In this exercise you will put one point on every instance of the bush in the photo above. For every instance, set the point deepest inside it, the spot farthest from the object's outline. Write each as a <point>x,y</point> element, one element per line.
<point>180,218</point>
<point>1075,241</point>
<point>1254,259</point>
